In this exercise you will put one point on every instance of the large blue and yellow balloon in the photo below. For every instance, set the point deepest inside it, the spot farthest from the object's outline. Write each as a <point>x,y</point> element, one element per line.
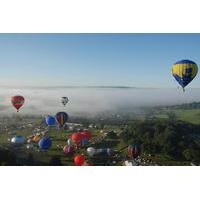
<point>184,71</point>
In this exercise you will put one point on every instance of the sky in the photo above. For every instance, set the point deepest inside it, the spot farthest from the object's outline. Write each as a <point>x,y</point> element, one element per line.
<point>137,60</point>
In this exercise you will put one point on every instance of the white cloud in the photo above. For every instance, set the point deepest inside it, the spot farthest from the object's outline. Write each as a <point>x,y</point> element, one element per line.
<point>92,100</point>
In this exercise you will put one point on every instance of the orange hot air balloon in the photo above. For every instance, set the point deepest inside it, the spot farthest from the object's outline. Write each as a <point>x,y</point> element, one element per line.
<point>17,102</point>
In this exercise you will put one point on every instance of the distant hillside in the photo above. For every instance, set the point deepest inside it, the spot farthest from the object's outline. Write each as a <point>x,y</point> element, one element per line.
<point>193,105</point>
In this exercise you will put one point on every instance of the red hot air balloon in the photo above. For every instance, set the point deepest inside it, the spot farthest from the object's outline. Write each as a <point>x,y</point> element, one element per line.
<point>77,138</point>
<point>86,134</point>
<point>17,102</point>
<point>79,160</point>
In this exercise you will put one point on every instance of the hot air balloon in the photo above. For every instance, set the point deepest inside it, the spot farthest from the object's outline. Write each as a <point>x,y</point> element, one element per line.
<point>50,121</point>
<point>85,141</point>
<point>76,138</point>
<point>133,151</point>
<point>184,71</point>
<point>18,139</point>
<point>79,160</point>
<point>62,118</point>
<point>91,151</point>
<point>86,134</point>
<point>64,100</point>
<point>69,142</point>
<point>68,150</point>
<point>45,143</point>
<point>17,102</point>
<point>37,138</point>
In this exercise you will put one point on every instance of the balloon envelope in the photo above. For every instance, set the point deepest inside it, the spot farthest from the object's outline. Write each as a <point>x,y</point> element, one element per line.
<point>45,143</point>
<point>61,118</point>
<point>68,150</point>
<point>37,138</point>
<point>17,102</point>
<point>85,142</point>
<point>69,142</point>
<point>184,71</point>
<point>91,151</point>
<point>86,134</point>
<point>64,100</point>
<point>18,139</point>
<point>79,160</point>
<point>50,121</point>
<point>77,138</point>
<point>133,151</point>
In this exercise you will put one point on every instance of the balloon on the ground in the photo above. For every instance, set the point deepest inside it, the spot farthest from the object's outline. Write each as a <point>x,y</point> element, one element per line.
<point>64,100</point>
<point>85,142</point>
<point>50,121</point>
<point>62,118</point>
<point>68,150</point>
<point>86,134</point>
<point>184,71</point>
<point>45,143</point>
<point>79,160</point>
<point>69,142</point>
<point>133,151</point>
<point>37,138</point>
<point>17,102</point>
<point>91,151</point>
<point>76,138</point>
<point>18,139</point>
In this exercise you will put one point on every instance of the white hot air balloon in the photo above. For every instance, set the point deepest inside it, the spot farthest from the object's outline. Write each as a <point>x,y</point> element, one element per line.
<point>91,151</point>
<point>69,142</point>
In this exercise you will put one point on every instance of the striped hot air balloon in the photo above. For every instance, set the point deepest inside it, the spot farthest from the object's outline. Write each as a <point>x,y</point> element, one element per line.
<point>62,118</point>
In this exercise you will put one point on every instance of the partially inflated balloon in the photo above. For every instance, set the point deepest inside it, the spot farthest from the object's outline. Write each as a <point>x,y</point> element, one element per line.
<point>68,150</point>
<point>62,118</point>
<point>18,139</point>
<point>17,102</point>
<point>133,151</point>
<point>85,142</point>
<point>45,143</point>
<point>86,134</point>
<point>50,121</point>
<point>79,160</point>
<point>184,71</point>
<point>69,142</point>
<point>77,138</point>
<point>37,138</point>
<point>91,151</point>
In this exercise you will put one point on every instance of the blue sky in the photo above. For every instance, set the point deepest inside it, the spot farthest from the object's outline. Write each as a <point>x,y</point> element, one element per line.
<point>140,60</point>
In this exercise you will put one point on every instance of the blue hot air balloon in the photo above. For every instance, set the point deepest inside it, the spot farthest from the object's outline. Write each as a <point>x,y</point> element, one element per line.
<point>85,142</point>
<point>50,121</point>
<point>184,71</point>
<point>45,143</point>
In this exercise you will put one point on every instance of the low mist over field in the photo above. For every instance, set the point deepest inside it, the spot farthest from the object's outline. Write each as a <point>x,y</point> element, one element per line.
<point>92,100</point>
